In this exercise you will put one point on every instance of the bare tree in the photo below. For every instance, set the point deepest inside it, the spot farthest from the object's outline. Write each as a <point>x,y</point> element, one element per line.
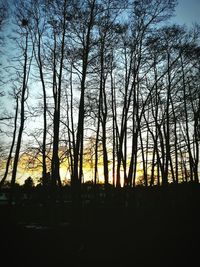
<point>8,161</point>
<point>23,95</point>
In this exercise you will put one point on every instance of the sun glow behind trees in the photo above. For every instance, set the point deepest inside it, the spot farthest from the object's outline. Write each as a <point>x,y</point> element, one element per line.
<point>30,165</point>
<point>120,97</point>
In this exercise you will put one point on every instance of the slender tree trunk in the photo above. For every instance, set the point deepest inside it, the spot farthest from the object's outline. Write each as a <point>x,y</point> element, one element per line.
<point>12,144</point>
<point>191,161</point>
<point>196,137</point>
<point>78,151</point>
<point>55,167</point>
<point>22,119</point>
<point>167,131</point>
<point>38,58</point>
<point>143,160</point>
<point>175,141</point>
<point>113,95</point>
<point>96,151</point>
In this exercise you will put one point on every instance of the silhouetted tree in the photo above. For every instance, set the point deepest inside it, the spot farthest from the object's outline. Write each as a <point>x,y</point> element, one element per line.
<point>8,161</point>
<point>23,96</point>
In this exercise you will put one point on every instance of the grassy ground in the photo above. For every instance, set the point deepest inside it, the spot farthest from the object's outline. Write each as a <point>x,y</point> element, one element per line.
<point>166,234</point>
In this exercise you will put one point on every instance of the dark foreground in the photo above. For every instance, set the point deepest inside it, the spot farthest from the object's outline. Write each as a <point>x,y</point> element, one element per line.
<point>165,233</point>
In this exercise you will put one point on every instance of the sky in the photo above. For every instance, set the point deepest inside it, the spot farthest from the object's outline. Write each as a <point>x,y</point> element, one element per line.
<point>188,12</point>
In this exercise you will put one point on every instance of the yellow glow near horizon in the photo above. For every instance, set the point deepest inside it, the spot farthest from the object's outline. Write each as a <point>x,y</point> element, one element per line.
<point>30,166</point>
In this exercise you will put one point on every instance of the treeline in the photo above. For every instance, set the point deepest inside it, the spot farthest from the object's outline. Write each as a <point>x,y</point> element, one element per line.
<point>154,198</point>
<point>109,86</point>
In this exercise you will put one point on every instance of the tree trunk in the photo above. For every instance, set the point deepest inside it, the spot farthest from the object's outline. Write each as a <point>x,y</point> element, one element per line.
<point>22,118</point>
<point>12,145</point>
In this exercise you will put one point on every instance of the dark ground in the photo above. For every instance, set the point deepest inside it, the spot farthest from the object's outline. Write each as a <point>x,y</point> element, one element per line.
<point>165,232</point>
